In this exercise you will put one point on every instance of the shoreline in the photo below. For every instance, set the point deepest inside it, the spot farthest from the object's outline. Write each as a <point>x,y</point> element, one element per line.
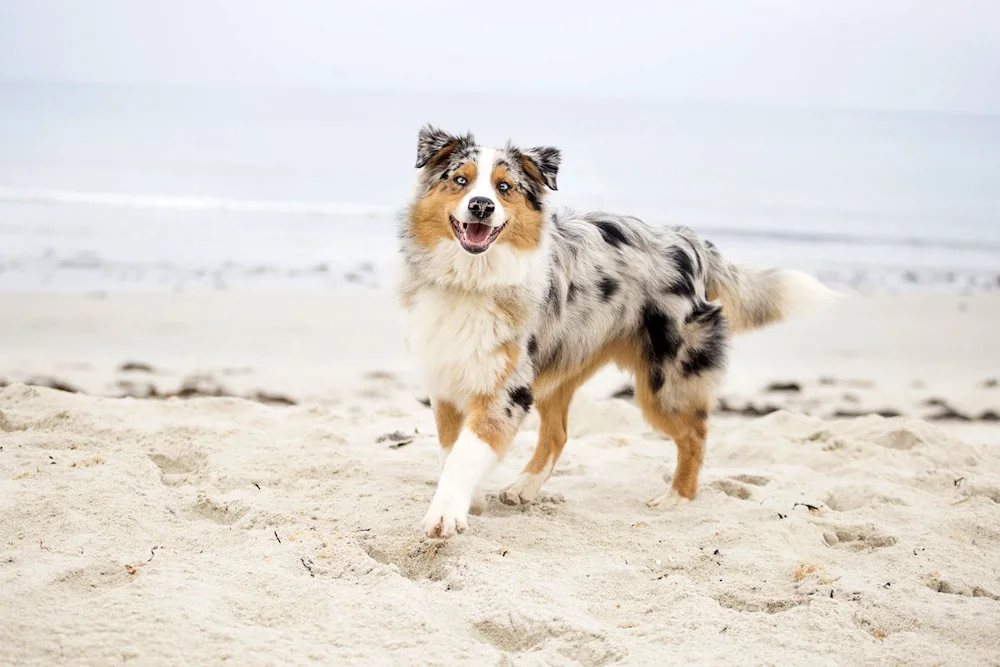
<point>87,272</point>
<point>926,356</point>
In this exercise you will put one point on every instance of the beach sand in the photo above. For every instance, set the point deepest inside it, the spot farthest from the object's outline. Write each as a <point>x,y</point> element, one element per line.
<point>285,530</point>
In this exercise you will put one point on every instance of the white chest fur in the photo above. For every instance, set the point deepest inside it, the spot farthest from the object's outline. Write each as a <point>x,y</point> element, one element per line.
<point>455,336</point>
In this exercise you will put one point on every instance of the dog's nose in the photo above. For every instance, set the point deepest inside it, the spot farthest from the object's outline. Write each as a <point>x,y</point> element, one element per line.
<point>481,207</point>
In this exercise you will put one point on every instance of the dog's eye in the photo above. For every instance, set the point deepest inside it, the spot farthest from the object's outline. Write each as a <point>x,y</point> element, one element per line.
<point>461,181</point>
<point>503,187</point>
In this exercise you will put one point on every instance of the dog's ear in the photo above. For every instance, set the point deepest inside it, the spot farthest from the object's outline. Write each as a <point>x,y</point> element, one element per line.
<point>434,145</point>
<point>542,164</point>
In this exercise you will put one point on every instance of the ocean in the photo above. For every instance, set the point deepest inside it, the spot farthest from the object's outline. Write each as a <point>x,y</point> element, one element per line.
<point>106,188</point>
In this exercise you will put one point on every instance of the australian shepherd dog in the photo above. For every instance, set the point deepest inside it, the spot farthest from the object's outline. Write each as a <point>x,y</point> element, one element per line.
<point>512,305</point>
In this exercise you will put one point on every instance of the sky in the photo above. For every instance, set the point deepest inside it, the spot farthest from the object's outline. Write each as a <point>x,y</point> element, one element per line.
<point>932,55</point>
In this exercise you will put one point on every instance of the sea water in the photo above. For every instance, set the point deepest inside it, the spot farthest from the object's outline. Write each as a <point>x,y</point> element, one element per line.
<point>130,187</point>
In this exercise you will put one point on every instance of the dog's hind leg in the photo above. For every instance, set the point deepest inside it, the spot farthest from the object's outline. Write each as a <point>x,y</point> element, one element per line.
<point>689,429</point>
<point>679,408</point>
<point>553,411</point>
<point>678,370</point>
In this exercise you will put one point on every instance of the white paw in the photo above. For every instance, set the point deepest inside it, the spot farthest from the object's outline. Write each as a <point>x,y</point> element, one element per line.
<point>522,491</point>
<point>446,518</point>
<point>478,505</point>
<point>469,460</point>
<point>669,500</point>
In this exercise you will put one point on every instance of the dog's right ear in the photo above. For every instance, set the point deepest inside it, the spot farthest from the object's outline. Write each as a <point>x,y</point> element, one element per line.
<point>433,145</point>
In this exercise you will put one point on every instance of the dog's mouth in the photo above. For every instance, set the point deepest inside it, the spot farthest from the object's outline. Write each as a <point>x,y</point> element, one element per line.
<point>474,237</point>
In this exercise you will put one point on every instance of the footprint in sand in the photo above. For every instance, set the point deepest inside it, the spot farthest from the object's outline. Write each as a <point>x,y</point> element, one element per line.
<point>732,488</point>
<point>415,563</point>
<point>849,498</point>
<point>177,470</point>
<point>766,605</point>
<point>222,512</point>
<point>857,538</point>
<point>544,503</point>
<point>95,578</point>
<point>755,480</point>
<point>955,587</point>
<point>991,492</point>
<point>516,632</point>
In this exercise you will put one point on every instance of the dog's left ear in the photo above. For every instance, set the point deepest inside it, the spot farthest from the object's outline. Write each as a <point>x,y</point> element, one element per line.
<point>433,145</point>
<point>542,164</point>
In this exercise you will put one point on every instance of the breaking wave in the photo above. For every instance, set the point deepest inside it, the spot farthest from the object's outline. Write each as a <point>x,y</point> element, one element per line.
<point>180,203</point>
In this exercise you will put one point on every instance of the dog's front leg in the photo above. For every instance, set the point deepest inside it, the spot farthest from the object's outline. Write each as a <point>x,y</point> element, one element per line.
<point>469,460</point>
<point>492,423</point>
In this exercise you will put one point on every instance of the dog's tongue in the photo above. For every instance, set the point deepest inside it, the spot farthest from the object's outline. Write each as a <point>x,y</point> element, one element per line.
<point>477,233</point>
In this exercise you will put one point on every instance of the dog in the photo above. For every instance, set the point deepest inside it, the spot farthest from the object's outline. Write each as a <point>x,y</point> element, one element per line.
<point>512,305</point>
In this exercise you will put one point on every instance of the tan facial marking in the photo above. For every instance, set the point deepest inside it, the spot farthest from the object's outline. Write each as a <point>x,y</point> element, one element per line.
<point>524,224</point>
<point>429,219</point>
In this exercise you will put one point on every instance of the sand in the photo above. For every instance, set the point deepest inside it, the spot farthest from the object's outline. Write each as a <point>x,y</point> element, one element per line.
<point>219,530</point>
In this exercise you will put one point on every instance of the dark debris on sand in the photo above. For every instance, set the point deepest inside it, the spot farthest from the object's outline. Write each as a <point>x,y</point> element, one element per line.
<point>799,399</point>
<point>193,386</point>
<point>135,367</point>
<point>397,439</point>
<point>783,387</point>
<point>748,410</point>
<point>206,386</point>
<point>52,383</point>
<point>884,412</point>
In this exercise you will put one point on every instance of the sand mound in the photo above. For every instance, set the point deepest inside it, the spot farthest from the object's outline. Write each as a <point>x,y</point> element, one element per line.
<point>220,530</point>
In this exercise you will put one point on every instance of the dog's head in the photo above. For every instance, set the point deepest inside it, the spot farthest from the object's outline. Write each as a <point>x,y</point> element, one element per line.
<point>479,197</point>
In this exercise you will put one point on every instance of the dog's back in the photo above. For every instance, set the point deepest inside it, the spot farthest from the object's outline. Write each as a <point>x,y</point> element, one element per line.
<point>616,278</point>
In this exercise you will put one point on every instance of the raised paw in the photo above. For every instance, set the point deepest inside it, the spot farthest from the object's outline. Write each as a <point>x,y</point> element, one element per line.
<point>445,519</point>
<point>669,500</point>
<point>523,490</point>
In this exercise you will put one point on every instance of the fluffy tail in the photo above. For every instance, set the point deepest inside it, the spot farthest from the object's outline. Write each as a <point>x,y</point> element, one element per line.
<point>752,297</point>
